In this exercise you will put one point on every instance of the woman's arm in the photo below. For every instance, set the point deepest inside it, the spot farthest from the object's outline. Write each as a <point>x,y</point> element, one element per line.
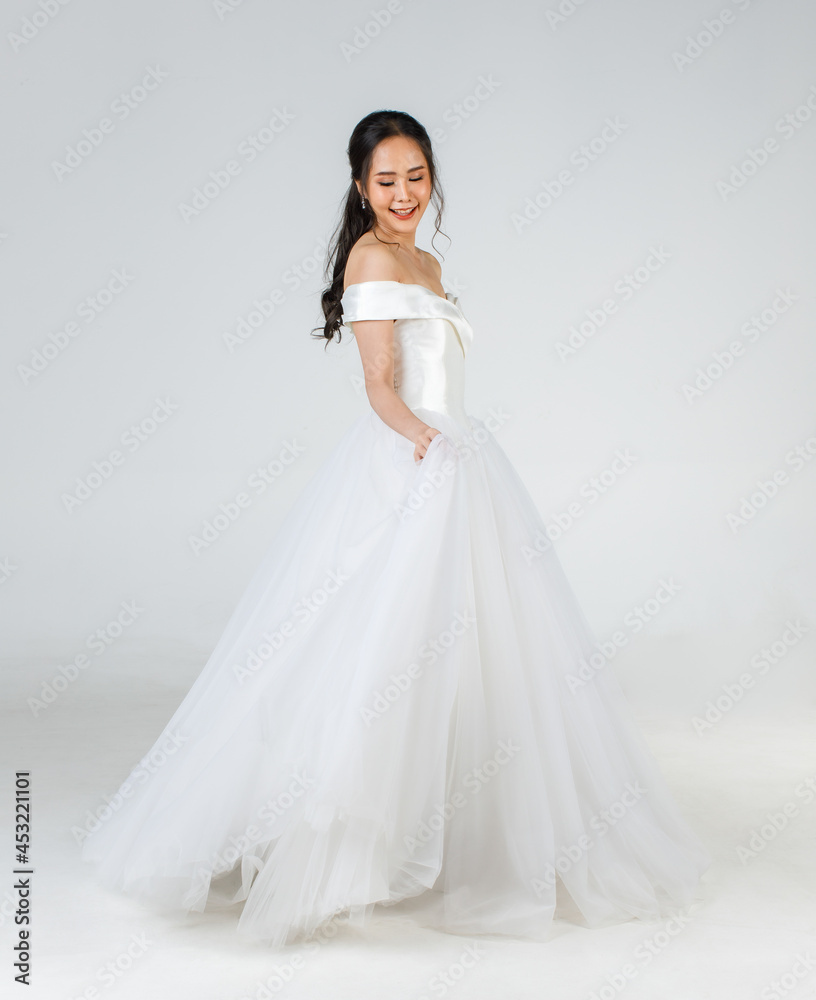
<point>375,340</point>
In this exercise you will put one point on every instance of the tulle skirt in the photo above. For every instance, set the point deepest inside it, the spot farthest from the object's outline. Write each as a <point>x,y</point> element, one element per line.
<point>404,703</point>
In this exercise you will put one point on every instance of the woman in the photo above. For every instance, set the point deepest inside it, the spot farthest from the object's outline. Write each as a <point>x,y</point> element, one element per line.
<point>407,703</point>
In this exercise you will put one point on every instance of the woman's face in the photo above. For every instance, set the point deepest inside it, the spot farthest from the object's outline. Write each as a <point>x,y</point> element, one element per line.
<point>399,180</point>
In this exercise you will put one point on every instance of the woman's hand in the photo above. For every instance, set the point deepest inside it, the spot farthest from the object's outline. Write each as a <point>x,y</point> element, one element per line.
<point>422,441</point>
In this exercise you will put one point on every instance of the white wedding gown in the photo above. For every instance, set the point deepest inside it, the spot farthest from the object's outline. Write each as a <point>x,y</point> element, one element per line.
<point>398,706</point>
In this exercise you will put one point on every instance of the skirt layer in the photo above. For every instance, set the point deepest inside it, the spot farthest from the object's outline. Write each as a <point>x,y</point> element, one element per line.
<point>397,708</point>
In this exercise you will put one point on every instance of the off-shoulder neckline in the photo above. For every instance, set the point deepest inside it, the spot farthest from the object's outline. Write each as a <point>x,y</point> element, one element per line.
<point>392,281</point>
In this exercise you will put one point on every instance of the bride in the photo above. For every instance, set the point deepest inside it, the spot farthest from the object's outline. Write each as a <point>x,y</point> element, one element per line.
<point>407,707</point>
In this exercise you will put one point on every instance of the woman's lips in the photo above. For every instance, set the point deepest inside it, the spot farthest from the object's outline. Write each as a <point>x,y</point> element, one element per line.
<point>399,215</point>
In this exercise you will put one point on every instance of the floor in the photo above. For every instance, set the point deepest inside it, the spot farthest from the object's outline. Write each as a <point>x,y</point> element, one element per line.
<point>754,935</point>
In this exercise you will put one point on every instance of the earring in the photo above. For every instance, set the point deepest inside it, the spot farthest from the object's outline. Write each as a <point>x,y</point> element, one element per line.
<point>363,201</point>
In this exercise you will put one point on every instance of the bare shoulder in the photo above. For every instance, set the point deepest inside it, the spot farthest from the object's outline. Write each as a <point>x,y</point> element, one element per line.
<point>437,267</point>
<point>369,260</point>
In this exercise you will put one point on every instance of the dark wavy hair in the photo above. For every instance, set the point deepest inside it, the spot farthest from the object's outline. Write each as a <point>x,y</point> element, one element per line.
<point>356,220</point>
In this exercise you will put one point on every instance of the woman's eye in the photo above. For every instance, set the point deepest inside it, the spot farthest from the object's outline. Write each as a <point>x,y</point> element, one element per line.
<point>388,184</point>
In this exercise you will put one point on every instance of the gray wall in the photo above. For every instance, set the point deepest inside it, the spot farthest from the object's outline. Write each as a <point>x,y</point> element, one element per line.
<point>708,160</point>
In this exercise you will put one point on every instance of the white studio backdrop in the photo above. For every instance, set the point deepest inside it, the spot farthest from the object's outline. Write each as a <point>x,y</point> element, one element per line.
<point>629,196</point>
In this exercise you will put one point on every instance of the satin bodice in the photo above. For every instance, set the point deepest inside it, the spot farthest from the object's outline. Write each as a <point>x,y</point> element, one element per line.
<point>431,340</point>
